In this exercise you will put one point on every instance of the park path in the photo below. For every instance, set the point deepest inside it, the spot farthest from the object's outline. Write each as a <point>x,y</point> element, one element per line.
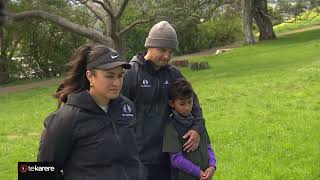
<point>24,87</point>
<point>300,30</point>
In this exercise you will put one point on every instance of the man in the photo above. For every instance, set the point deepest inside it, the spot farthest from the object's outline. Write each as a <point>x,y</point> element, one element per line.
<point>146,84</point>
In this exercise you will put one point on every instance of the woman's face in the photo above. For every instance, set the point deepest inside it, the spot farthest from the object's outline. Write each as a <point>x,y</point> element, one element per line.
<point>106,83</point>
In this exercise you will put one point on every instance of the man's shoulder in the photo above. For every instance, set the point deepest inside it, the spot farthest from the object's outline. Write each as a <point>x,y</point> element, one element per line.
<point>135,63</point>
<point>173,67</point>
<point>174,71</point>
<point>137,59</point>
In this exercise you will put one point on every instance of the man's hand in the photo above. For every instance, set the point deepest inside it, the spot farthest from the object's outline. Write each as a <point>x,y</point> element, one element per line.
<point>207,175</point>
<point>193,141</point>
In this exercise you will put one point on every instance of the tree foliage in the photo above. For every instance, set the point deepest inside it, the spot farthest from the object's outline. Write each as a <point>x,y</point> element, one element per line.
<point>35,48</point>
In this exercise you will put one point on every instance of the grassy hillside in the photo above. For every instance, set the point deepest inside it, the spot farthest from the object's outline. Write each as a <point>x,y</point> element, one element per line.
<point>307,19</point>
<point>262,108</point>
<point>261,105</point>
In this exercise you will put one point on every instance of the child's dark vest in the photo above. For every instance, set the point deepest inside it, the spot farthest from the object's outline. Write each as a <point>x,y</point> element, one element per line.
<point>198,157</point>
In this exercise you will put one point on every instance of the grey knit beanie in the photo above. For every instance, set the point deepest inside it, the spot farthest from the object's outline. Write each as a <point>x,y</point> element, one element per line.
<point>162,35</point>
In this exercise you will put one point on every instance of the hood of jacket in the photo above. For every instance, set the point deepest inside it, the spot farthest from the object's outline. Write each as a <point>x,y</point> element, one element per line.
<point>85,101</point>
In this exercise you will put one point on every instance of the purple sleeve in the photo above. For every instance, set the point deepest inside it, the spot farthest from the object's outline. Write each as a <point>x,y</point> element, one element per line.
<point>178,161</point>
<point>212,157</point>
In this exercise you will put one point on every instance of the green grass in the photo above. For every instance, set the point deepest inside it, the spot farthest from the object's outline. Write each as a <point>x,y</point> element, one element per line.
<point>261,105</point>
<point>21,123</point>
<point>307,19</point>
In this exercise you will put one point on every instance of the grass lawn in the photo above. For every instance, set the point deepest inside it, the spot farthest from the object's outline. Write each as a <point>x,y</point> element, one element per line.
<point>261,104</point>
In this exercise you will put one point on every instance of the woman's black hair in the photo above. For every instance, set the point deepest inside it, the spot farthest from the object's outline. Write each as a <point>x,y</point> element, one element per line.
<point>76,79</point>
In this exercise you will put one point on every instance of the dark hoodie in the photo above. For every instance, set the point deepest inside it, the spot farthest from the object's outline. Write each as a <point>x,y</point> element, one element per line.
<point>147,88</point>
<point>87,143</point>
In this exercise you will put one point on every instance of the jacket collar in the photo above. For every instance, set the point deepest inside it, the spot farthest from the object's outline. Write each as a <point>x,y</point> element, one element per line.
<point>85,101</point>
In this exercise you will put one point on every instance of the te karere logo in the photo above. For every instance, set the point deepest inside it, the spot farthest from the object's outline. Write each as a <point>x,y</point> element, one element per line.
<point>34,168</point>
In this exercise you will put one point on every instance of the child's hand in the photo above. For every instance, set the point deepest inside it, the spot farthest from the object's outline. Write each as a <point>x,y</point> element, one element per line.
<point>207,175</point>
<point>201,175</point>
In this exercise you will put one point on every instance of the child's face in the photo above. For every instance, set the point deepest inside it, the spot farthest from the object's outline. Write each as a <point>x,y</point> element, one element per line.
<point>182,106</point>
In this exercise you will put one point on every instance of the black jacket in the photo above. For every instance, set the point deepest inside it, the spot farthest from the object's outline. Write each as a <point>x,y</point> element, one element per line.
<point>148,89</point>
<point>87,143</point>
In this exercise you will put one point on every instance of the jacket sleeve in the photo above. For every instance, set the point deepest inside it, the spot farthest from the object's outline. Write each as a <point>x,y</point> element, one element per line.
<point>199,122</point>
<point>178,161</point>
<point>56,140</point>
<point>129,81</point>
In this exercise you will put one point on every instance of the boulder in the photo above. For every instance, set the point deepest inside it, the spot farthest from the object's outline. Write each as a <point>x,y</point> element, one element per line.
<point>180,63</point>
<point>199,65</point>
<point>203,65</point>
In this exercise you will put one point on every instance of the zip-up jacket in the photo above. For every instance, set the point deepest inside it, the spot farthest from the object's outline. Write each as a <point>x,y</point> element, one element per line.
<point>148,89</point>
<point>87,143</point>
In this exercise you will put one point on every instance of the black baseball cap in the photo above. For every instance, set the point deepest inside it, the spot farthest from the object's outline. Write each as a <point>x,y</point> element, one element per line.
<point>108,61</point>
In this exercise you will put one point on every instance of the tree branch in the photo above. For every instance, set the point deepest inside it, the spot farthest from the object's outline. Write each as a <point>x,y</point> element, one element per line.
<point>111,5</point>
<point>90,33</point>
<point>109,11</point>
<point>132,25</point>
<point>122,8</point>
<point>94,10</point>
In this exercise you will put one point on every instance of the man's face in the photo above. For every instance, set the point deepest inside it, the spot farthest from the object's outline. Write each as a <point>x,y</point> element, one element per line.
<point>160,56</point>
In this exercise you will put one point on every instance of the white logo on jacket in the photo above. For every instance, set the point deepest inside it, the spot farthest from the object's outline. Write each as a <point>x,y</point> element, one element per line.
<point>166,82</point>
<point>127,110</point>
<point>145,84</point>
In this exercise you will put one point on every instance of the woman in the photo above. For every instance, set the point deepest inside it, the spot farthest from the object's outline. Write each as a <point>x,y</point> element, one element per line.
<point>92,136</point>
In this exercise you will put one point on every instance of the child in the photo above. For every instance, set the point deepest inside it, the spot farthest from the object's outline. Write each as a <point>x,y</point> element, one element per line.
<point>199,164</point>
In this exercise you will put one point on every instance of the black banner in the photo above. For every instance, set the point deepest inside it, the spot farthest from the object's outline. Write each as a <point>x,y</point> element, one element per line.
<point>36,171</point>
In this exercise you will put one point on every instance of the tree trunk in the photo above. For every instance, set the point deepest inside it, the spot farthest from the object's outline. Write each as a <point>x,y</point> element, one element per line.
<point>3,49</point>
<point>263,21</point>
<point>3,64</point>
<point>247,20</point>
<point>4,75</point>
<point>119,46</point>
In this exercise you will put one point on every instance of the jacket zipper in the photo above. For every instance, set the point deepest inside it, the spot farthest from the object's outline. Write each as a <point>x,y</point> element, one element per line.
<point>118,139</point>
<point>125,173</point>
<point>114,128</point>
